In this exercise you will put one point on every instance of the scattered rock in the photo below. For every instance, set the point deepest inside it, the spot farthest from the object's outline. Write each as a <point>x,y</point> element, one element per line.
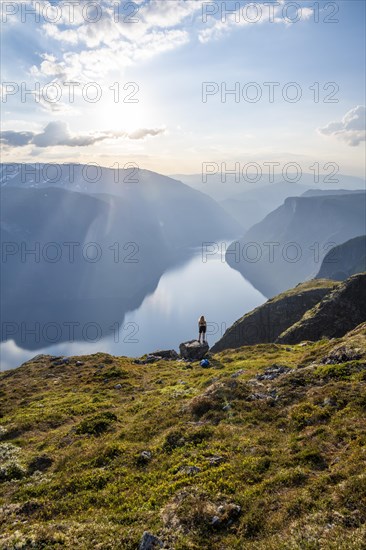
<point>79,363</point>
<point>147,360</point>
<point>150,542</point>
<point>273,372</point>
<point>193,350</point>
<point>146,455</point>
<point>118,386</point>
<point>226,514</point>
<point>190,470</point>
<point>169,354</point>
<point>226,407</point>
<point>215,460</point>
<point>272,395</point>
<point>343,354</point>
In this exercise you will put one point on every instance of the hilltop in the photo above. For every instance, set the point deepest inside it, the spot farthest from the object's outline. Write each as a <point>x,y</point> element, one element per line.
<point>265,449</point>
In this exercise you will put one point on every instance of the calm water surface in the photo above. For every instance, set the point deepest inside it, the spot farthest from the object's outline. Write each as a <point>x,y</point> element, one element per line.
<point>168,316</point>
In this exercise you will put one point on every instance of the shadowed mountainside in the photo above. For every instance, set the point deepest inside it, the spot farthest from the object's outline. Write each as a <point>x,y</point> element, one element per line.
<point>338,312</point>
<point>344,260</point>
<point>287,247</point>
<point>265,323</point>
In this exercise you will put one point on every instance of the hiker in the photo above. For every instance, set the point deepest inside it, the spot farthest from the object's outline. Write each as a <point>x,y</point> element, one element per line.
<point>202,326</point>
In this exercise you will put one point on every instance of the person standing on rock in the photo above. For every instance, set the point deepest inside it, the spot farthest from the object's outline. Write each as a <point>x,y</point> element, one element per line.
<point>202,326</point>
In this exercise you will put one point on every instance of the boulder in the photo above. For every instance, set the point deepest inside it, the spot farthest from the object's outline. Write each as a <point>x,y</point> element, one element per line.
<point>193,350</point>
<point>149,542</point>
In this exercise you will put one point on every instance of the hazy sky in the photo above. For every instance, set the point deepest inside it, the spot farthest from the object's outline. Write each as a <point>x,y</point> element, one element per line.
<point>161,69</point>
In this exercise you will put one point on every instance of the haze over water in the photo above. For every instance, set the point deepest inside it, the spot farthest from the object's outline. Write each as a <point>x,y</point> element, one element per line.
<point>169,315</point>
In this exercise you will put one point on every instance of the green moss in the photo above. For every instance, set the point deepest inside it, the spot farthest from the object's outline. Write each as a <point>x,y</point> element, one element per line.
<point>294,463</point>
<point>97,424</point>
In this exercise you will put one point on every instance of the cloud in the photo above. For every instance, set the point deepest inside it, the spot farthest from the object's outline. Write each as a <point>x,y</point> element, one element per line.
<point>143,132</point>
<point>58,134</point>
<point>15,139</point>
<point>94,64</point>
<point>351,129</point>
<point>254,13</point>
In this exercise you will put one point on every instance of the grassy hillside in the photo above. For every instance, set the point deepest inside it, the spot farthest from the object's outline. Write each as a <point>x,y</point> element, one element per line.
<point>265,449</point>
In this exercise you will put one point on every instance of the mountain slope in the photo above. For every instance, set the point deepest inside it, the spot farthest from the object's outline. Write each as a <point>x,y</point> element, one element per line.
<point>288,245</point>
<point>265,323</point>
<point>171,203</point>
<point>242,455</point>
<point>338,312</point>
<point>344,260</point>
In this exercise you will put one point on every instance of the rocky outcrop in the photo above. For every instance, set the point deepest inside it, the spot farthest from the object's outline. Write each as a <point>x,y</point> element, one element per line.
<point>166,354</point>
<point>193,350</point>
<point>344,260</point>
<point>339,312</point>
<point>265,323</point>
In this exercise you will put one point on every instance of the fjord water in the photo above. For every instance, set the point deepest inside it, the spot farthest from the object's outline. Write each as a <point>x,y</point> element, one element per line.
<point>166,316</point>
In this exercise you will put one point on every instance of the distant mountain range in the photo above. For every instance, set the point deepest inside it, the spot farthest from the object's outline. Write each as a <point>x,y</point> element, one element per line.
<point>288,246</point>
<point>249,202</point>
<point>224,186</point>
<point>123,236</point>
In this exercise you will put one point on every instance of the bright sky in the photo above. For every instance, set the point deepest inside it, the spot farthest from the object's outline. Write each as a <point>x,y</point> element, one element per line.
<point>161,69</point>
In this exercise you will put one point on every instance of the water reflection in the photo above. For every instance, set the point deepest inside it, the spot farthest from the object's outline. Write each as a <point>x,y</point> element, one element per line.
<point>164,316</point>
